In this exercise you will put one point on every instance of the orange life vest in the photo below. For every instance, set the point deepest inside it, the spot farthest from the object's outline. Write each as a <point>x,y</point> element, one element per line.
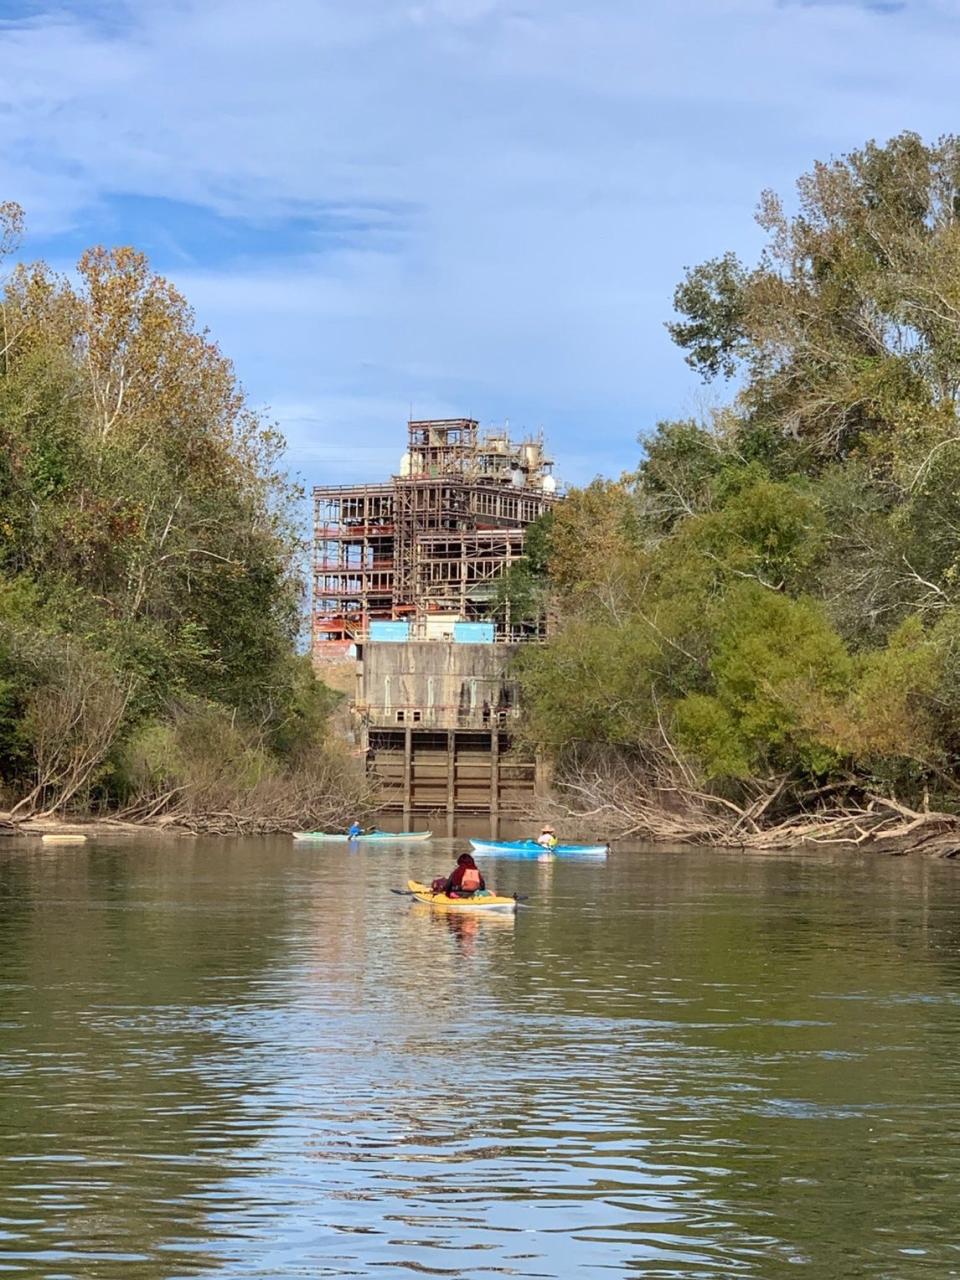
<point>470,882</point>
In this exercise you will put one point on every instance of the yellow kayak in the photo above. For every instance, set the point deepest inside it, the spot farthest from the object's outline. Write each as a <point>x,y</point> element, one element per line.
<point>483,901</point>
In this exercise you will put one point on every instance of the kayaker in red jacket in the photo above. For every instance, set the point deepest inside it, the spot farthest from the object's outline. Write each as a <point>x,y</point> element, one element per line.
<point>465,877</point>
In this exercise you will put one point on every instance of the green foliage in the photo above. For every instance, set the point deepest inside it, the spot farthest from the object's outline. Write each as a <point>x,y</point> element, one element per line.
<point>594,683</point>
<point>771,654</point>
<point>708,731</point>
<point>775,592</point>
<point>844,333</point>
<point>520,593</point>
<point>201,762</point>
<point>201,742</point>
<point>593,529</point>
<point>760,529</point>
<point>538,545</point>
<point>892,709</point>
<point>712,297</point>
<point>676,478</point>
<point>144,519</point>
<point>300,712</point>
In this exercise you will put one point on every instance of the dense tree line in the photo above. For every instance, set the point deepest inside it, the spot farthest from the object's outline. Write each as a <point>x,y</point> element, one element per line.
<point>150,593</point>
<point>757,634</point>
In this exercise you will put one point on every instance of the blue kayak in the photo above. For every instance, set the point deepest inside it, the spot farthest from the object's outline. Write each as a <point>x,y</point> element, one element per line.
<point>531,849</point>
<point>367,837</point>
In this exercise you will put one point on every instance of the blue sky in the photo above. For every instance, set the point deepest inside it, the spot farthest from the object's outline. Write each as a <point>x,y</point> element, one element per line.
<point>456,206</point>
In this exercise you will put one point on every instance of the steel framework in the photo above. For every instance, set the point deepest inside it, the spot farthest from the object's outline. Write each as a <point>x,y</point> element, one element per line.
<point>434,539</point>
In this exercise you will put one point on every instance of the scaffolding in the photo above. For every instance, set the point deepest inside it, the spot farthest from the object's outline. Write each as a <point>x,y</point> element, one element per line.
<point>431,543</point>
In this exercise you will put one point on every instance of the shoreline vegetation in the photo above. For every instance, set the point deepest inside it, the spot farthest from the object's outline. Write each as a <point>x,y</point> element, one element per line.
<point>150,572</point>
<point>755,636</point>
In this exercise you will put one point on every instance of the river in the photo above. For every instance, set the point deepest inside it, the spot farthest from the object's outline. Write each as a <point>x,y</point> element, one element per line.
<point>249,1059</point>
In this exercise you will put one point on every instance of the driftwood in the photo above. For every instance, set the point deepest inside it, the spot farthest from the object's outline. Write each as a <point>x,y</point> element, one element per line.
<point>329,791</point>
<point>655,795</point>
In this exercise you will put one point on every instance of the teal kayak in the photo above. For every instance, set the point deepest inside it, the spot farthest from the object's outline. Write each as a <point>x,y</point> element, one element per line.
<point>370,837</point>
<point>531,849</point>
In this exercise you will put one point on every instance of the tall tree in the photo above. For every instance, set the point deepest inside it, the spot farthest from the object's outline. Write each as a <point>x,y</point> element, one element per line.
<point>149,554</point>
<point>847,331</point>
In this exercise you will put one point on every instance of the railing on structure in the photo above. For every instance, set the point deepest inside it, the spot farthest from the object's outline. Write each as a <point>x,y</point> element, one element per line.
<point>355,570</point>
<point>358,490</point>
<point>348,532</point>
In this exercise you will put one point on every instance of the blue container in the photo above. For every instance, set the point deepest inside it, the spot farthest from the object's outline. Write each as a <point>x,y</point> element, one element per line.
<point>395,631</point>
<point>473,632</point>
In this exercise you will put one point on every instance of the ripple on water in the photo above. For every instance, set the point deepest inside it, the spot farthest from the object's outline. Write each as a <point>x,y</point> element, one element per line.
<point>227,1061</point>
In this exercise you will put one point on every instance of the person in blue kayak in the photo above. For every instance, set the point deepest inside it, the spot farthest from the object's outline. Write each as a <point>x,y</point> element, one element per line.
<point>547,837</point>
<point>355,830</point>
<point>464,879</point>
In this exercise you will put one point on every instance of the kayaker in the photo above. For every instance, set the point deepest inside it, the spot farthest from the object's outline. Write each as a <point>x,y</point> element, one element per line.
<point>355,830</point>
<point>547,837</point>
<point>464,879</point>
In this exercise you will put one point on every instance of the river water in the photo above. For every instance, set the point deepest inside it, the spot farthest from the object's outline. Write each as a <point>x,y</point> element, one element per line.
<point>250,1059</point>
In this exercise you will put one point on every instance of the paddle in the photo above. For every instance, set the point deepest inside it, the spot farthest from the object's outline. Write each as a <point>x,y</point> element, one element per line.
<point>408,893</point>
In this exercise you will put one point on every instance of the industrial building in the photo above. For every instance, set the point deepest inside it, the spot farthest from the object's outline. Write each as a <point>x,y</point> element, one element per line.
<point>405,588</point>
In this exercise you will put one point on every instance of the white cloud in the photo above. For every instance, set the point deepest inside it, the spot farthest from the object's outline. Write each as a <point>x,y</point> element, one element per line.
<point>546,168</point>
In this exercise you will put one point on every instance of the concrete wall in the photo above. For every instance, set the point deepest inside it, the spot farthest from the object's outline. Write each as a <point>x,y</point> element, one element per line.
<point>433,684</point>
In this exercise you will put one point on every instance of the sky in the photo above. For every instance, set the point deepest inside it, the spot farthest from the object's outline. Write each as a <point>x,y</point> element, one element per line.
<point>447,207</point>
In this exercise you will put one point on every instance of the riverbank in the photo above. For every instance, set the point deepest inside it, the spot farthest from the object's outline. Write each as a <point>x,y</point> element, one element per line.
<point>669,804</point>
<point>933,845</point>
<point>92,827</point>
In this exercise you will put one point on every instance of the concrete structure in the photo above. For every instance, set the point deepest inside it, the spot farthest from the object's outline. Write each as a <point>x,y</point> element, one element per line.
<point>438,685</point>
<point>439,729</point>
<point>428,546</point>
<point>405,589</point>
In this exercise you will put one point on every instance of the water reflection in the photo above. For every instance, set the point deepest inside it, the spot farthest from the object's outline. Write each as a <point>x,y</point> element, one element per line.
<point>252,1060</point>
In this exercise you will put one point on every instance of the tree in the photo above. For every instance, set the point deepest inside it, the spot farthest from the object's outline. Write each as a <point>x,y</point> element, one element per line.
<point>146,519</point>
<point>847,332</point>
<point>757,629</point>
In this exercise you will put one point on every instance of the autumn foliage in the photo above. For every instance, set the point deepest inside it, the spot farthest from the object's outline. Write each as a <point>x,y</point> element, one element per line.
<point>759,629</point>
<point>149,562</point>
